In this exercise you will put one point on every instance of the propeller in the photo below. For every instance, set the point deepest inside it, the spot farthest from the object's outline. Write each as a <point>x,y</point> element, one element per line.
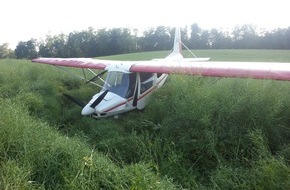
<point>76,101</point>
<point>90,109</point>
<point>97,76</point>
<point>87,109</point>
<point>99,99</point>
<point>135,100</point>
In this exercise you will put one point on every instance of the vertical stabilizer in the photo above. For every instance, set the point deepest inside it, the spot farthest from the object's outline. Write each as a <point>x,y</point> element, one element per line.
<point>177,50</point>
<point>177,46</point>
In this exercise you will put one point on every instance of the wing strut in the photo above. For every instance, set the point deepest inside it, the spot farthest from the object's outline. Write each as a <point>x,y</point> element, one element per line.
<point>135,100</point>
<point>98,76</point>
<point>78,76</point>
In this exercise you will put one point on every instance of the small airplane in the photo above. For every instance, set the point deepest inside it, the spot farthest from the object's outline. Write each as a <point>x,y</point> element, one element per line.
<point>129,84</point>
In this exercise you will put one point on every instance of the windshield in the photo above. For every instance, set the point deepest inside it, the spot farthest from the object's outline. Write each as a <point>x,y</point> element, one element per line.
<point>122,84</point>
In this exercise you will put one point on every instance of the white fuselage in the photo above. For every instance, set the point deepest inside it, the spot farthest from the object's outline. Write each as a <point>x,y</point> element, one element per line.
<point>123,89</point>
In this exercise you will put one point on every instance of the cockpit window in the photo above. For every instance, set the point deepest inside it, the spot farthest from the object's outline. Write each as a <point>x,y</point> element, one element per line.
<point>122,84</point>
<point>146,81</point>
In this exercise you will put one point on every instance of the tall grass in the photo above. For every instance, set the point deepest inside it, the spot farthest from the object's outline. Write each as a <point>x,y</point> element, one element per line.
<point>196,133</point>
<point>34,155</point>
<point>196,128</point>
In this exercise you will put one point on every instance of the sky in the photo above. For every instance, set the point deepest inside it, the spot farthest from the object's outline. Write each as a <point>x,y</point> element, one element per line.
<point>22,20</point>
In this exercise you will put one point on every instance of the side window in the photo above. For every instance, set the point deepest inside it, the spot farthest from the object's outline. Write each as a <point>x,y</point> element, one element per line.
<point>132,84</point>
<point>146,81</point>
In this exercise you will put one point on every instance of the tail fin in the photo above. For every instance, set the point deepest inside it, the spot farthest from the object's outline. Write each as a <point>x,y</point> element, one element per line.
<point>177,46</point>
<point>177,49</point>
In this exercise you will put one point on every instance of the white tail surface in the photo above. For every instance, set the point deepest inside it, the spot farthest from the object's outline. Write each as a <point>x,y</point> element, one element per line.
<point>177,46</point>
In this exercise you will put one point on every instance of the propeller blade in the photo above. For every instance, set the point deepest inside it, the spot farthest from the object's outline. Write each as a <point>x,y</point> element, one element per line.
<point>95,77</point>
<point>135,100</point>
<point>76,101</point>
<point>99,99</point>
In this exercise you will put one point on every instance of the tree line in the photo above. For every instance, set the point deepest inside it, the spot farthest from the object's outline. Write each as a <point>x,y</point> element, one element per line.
<point>102,42</point>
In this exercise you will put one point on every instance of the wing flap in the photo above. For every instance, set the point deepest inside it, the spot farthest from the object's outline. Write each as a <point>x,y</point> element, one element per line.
<point>258,70</point>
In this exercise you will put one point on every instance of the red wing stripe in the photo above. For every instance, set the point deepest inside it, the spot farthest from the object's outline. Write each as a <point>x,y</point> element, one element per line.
<point>72,62</point>
<point>258,70</point>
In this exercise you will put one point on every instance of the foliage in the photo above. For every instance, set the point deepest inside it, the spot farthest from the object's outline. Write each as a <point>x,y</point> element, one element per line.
<point>35,155</point>
<point>103,42</point>
<point>26,49</point>
<point>196,133</point>
<point>5,52</point>
<point>54,46</point>
<point>160,38</point>
<point>88,43</point>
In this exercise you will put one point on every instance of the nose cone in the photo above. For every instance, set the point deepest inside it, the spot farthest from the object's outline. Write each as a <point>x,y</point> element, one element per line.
<point>87,110</point>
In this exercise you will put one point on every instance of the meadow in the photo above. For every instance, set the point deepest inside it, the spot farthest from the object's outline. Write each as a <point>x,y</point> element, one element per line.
<point>196,132</point>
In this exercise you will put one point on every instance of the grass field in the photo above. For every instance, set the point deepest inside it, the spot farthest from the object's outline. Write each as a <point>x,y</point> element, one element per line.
<point>196,133</point>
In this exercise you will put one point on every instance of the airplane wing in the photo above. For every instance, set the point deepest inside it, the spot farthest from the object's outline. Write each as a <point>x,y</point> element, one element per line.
<point>258,70</point>
<point>74,62</point>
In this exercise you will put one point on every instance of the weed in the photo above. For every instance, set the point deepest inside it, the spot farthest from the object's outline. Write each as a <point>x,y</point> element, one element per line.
<point>196,133</point>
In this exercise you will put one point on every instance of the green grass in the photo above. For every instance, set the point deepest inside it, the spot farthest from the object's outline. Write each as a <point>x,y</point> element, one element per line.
<point>196,133</point>
<point>248,55</point>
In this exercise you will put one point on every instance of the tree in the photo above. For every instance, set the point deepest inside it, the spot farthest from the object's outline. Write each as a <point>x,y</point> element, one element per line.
<point>204,40</point>
<point>83,44</point>
<point>54,46</point>
<point>147,41</point>
<point>5,52</point>
<point>277,39</point>
<point>92,46</point>
<point>102,42</point>
<point>91,43</point>
<point>245,37</point>
<point>219,39</point>
<point>195,41</point>
<point>26,49</point>
<point>157,39</point>
<point>184,36</point>
<point>163,39</point>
